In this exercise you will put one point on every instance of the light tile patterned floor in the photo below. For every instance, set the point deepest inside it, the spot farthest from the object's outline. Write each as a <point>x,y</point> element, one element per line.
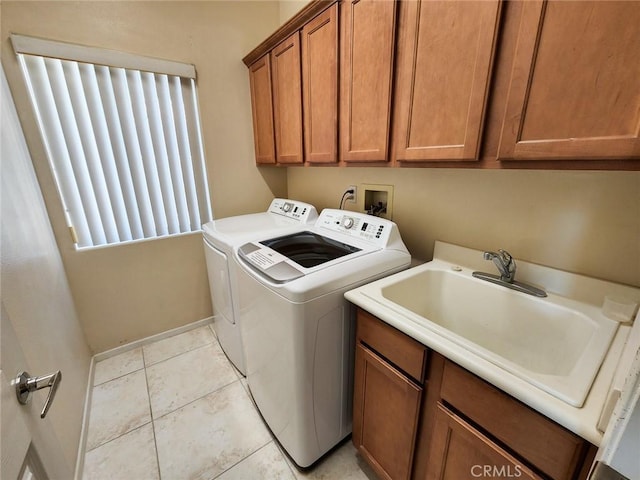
<point>178,410</point>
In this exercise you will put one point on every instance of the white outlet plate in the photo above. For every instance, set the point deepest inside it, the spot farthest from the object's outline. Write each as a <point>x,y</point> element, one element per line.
<point>354,197</point>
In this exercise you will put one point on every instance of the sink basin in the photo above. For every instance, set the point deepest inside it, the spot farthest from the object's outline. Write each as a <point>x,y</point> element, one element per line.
<point>554,343</point>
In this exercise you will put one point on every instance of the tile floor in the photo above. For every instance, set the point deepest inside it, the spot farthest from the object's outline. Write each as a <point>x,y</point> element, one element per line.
<point>178,409</point>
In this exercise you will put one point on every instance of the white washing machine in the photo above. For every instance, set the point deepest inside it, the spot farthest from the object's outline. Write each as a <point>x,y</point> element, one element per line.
<point>221,237</point>
<point>298,329</point>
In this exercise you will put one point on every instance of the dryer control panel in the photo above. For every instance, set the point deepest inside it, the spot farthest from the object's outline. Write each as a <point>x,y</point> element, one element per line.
<point>372,229</point>
<point>300,211</point>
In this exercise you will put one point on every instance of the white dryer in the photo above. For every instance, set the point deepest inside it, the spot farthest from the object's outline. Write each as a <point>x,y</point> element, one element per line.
<point>298,329</point>
<point>221,237</point>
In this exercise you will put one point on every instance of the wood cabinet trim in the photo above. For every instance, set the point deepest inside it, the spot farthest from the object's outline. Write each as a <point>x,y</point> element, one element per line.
<point>404,352</point>
<point>311,10</point>
<point>583,148</point>
<point>288,44</point>
<point>428,417</point>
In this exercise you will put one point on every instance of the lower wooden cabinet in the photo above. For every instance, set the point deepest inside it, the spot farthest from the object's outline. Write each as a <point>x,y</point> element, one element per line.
<point>512,423</point>
<point>386,411</point>
<point>458,451</point>
<point>428,420</point>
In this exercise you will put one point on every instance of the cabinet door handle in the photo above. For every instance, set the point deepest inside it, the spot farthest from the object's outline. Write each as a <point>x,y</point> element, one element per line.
<point>26,384</point>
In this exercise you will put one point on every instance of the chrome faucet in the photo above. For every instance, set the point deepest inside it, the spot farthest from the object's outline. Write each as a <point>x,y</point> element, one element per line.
<point>504,262</point>
<point>506,265</point>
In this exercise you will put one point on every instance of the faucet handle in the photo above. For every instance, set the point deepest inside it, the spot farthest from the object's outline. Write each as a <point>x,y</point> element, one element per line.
<point>508,261</point>
<point>506,257</point>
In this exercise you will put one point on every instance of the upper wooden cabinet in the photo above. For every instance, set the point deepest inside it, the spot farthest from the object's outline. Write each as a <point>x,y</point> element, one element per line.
<point>575,88</point>
<point>366,79</point>
<point>445,53</point>
<point>493,84</point>
<point>320,87</point>
<point>287,100</point>
<point>294,89</point>
<point>262,110</point>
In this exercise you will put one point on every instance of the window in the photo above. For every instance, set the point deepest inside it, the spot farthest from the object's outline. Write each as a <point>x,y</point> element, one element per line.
<point>122,136</point>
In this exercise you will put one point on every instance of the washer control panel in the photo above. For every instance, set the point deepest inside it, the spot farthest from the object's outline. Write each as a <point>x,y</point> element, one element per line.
<point>359,225</point>
<point>300,211</point>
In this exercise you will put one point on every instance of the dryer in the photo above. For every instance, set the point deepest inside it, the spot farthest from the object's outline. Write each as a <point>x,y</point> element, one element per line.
<point>220,238</point>
<point>298,329</point>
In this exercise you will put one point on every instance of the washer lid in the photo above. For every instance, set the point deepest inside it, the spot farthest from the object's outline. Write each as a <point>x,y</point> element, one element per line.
<point>292,256</point>
<point>309,249</point>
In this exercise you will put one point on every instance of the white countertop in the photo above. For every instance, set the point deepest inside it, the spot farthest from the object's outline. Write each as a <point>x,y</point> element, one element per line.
<point>583,421</point>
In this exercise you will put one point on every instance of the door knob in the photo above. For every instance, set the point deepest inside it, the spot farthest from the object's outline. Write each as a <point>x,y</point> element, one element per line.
<point>26,384</point>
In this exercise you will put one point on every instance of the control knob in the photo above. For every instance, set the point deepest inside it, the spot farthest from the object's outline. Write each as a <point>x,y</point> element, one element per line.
<point>287,207</point>
<point>347,222</point>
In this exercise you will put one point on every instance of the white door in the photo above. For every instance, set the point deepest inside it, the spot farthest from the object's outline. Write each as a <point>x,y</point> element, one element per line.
<point>30,446</point>
<point>28,443</point>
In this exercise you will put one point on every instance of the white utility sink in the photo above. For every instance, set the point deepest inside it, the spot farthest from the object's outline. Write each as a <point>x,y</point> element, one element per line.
<point>554,343</point>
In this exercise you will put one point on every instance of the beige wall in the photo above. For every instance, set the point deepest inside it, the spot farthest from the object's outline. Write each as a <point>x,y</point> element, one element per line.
<point>585,222</point>
<point>288,8</point>
<point>41,332</point>
<point>128,292</point>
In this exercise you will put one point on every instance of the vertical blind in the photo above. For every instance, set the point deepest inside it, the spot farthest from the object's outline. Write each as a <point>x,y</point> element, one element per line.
<point>124,146</point>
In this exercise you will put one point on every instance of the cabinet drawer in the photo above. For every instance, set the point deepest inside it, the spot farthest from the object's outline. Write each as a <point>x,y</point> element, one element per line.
<point>543,443</point>
<point>403,351</point>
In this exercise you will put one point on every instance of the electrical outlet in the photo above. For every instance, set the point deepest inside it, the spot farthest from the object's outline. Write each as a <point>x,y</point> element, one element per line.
<point>352,198</point>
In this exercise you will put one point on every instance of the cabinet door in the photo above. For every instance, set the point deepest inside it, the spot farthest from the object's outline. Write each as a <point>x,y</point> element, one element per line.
<point>460,451</point>
<point>320,87</point>
<point>262,110</point>
<point>385,415</point>
<point>445,53</point>
<point>287,99</point>
<point>574,91</point>
<point>514,424</point>
<point>368,43</point>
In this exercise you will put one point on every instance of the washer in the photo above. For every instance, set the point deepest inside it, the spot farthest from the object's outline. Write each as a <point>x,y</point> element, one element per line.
<point>298,329</point>
<point>221,237</point>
